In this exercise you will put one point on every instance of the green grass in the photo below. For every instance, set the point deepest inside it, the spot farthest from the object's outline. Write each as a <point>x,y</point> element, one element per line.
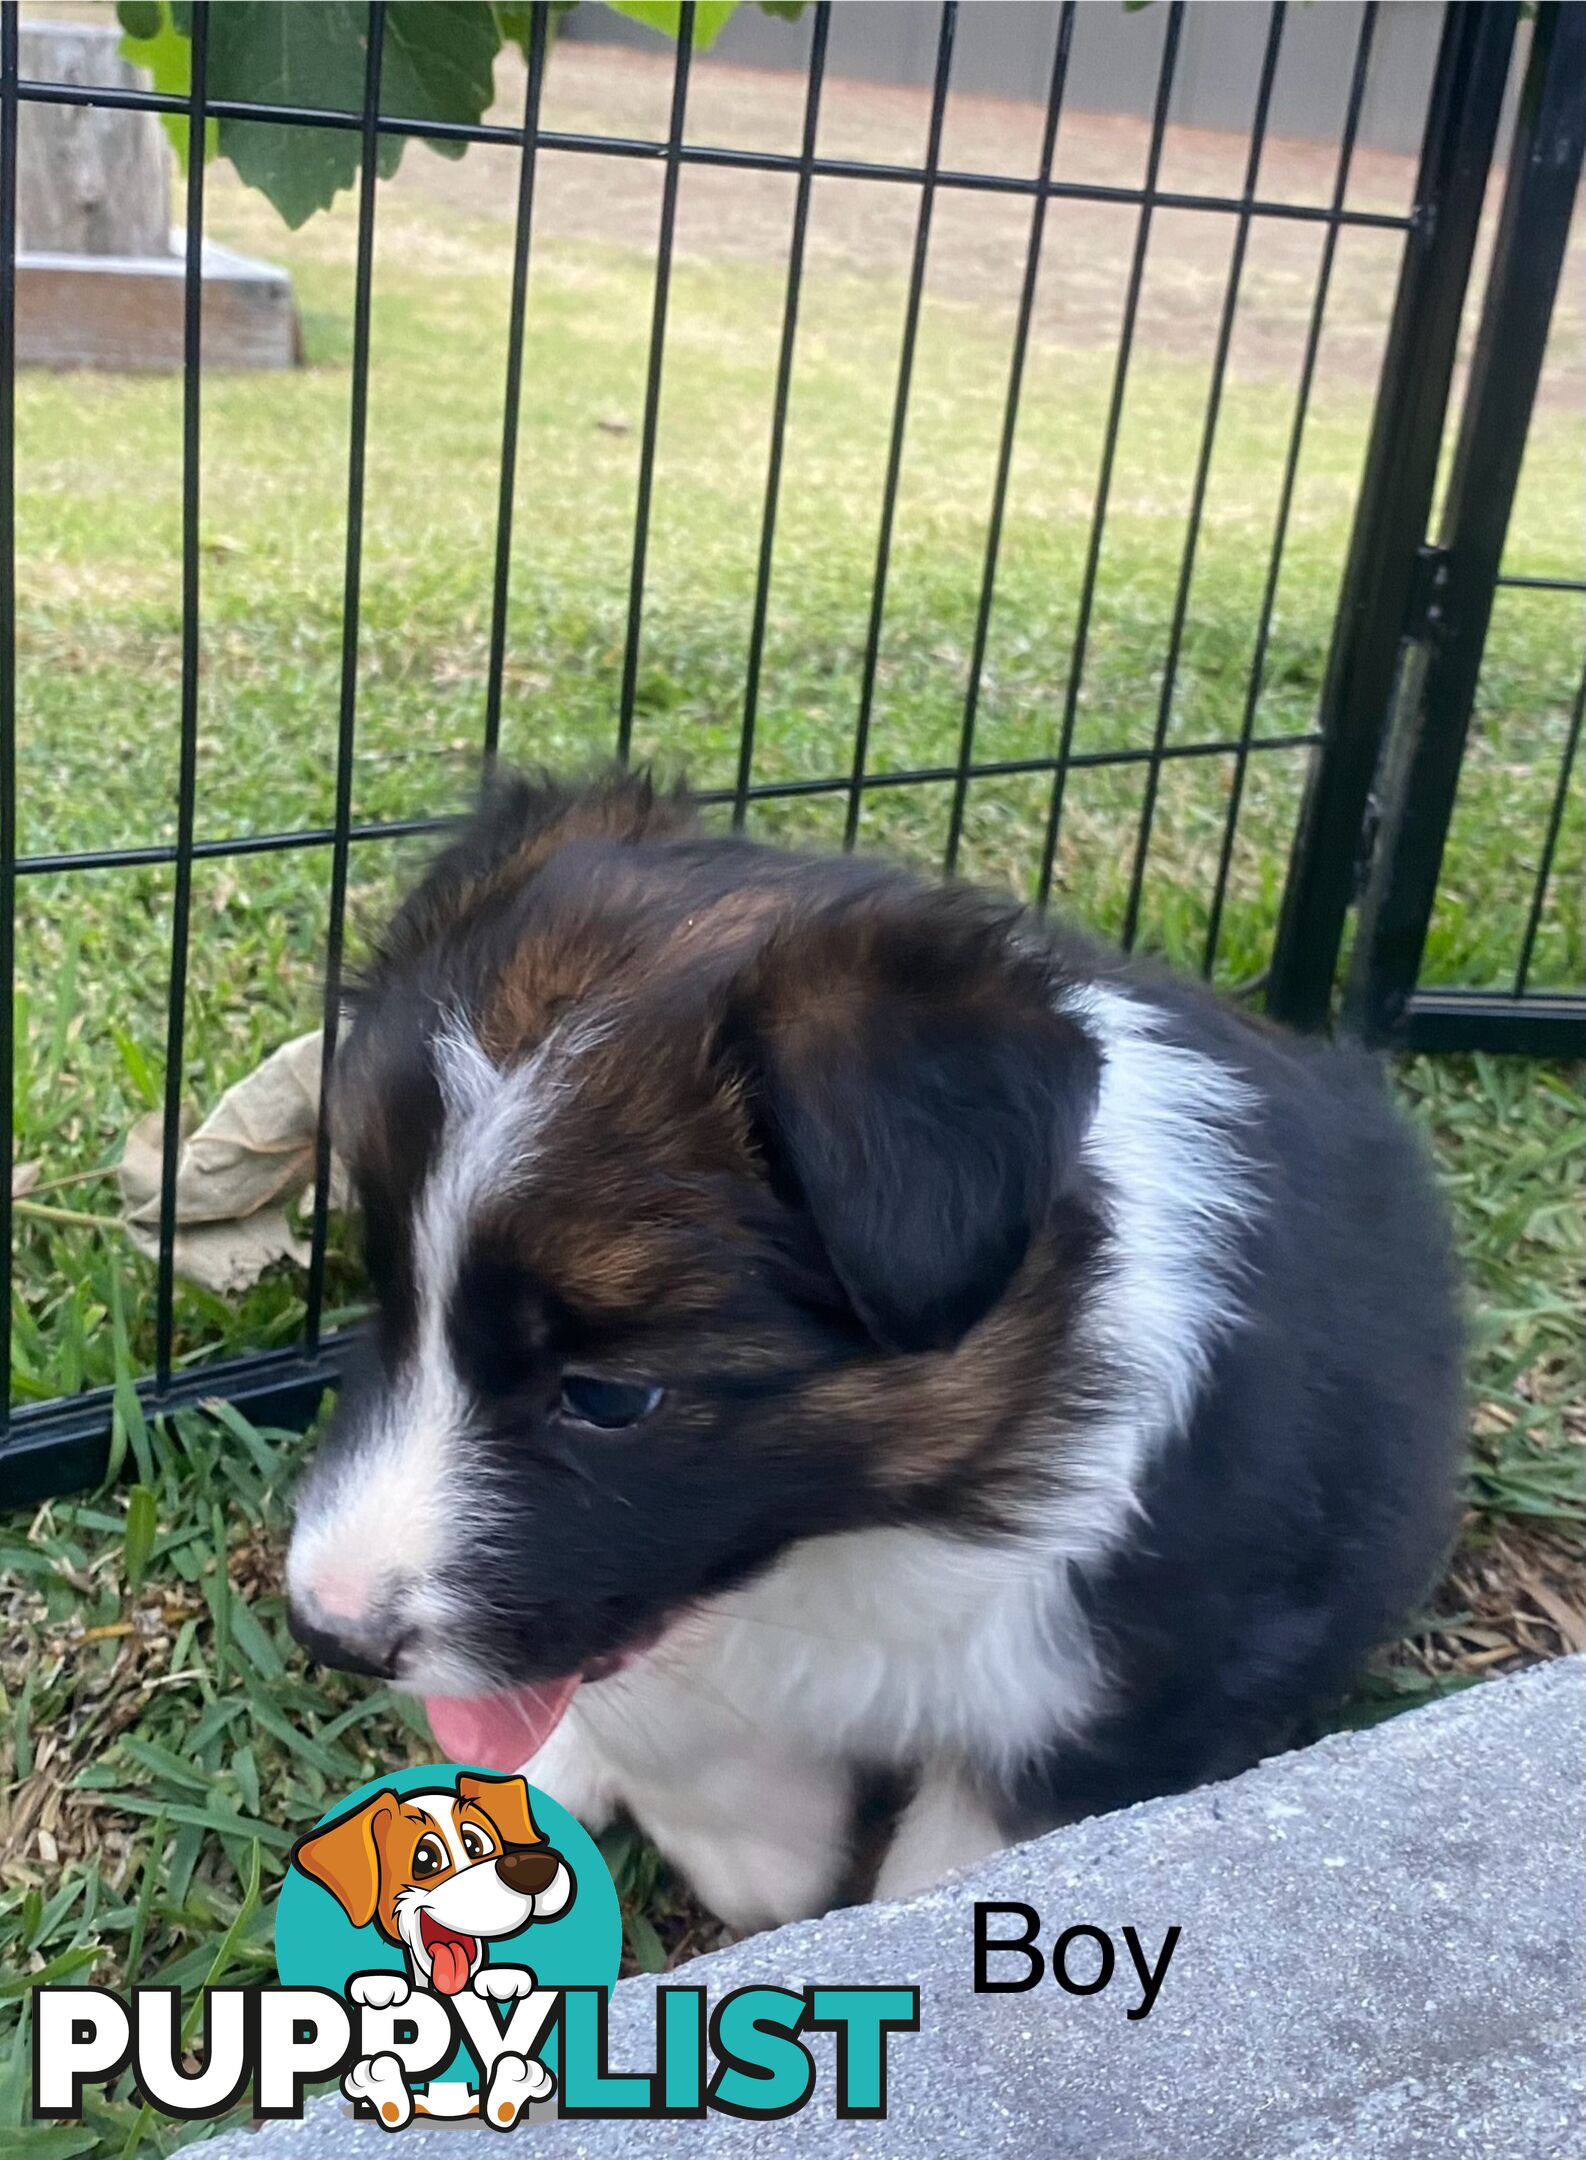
<point>165,1738</point>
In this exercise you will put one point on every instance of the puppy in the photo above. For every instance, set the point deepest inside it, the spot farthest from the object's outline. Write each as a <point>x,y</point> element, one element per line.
<point>831,1324</point>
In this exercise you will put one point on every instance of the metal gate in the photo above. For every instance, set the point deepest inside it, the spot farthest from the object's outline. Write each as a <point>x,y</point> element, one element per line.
<point>1407,642</point>
<point>1414,614</point>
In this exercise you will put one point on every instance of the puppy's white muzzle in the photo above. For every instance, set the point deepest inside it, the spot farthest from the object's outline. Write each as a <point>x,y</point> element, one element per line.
<point>477,1902</point>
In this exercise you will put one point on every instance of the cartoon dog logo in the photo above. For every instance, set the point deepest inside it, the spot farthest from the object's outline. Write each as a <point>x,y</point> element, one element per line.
<point>443,1873</point>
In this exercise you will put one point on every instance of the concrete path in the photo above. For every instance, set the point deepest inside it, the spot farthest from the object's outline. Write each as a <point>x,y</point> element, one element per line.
<point>1380,1957</point>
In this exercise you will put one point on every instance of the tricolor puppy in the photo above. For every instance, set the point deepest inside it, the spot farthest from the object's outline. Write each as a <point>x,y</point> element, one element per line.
<point>833,1325</point>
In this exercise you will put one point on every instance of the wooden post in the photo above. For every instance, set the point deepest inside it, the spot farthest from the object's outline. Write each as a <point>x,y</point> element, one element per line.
<point>90,180</point>
<point>100,270</point>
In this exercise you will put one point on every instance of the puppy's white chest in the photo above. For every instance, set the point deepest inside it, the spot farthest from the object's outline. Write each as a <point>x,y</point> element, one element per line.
<point>889,1646</point>
<point>735,1743</point>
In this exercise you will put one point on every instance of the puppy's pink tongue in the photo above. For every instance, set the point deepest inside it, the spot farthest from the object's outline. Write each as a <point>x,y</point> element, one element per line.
<point>449,1963</point>
<point>499,1731</point>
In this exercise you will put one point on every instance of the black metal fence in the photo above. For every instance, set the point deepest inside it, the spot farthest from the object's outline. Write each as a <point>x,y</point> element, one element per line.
<point>1386,745</point>
<point>1413,619</point>
<point>1455,582</point>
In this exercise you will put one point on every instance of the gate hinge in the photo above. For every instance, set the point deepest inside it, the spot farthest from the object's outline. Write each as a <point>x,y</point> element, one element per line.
<point>1428,586</point>
<point>1366,845</point>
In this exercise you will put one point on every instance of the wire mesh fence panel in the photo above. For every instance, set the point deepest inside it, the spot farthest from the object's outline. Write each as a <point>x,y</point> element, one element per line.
<point>971,477</point>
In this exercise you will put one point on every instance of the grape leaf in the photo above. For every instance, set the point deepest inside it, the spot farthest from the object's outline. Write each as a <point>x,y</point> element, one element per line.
<point>438,63</point>
<point>156,38</point>
<point>667,15</point>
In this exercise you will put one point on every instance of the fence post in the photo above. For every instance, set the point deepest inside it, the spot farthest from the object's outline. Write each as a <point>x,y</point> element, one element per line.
<point>1421,774</point>
<point>1394,505</point>
<point>8,680</point>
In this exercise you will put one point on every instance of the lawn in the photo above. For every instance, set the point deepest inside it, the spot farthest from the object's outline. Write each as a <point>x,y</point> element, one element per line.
<point>165,1738</point>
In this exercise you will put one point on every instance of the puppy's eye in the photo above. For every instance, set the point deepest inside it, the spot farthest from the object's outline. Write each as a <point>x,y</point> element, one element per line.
<point>476,1843</point>
<point>429,1857</point>
<point>610,1404</point>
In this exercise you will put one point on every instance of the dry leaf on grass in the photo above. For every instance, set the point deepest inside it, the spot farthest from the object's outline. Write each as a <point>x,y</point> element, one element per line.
<point>236,1175</point>
<point>24,1176</point>
<point>1566,1618</point>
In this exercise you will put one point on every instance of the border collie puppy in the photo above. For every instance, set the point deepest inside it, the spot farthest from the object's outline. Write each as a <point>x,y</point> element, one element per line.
<point>834,1327</point>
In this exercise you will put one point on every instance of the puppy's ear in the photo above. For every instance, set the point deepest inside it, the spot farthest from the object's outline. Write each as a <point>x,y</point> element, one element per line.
<point>506,1801</point>
<point>911,1084</point>
<point>345,1857</point>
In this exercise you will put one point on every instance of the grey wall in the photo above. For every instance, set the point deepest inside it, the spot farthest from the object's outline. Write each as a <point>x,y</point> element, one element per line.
<point>1004,47</point>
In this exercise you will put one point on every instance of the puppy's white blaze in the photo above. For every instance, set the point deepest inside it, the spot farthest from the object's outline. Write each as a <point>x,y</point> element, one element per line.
<point>1164,1144</point>
<point>441,1810</point>
<point>468,1080</point>
<point>394,1505</point>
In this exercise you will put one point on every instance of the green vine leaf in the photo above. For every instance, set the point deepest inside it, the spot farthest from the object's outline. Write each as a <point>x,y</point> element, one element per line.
<point>438,63</point>
<point>516,18</point>
<point>667,16</point>
<point>154,39</point>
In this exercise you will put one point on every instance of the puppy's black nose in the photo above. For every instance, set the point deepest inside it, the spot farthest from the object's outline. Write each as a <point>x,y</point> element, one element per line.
<point>373,1649</point>
<point>528,1869</point>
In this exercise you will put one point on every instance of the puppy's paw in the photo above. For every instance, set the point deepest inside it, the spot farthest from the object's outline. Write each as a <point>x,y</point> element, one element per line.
<point>503,1983</point>
<point>514,2082</point>
<point>379,1990</point>
<point>376,2082</point>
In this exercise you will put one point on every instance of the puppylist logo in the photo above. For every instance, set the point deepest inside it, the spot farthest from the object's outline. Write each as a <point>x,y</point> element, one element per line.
<point>421,1904</point>
<point>447,1940</point>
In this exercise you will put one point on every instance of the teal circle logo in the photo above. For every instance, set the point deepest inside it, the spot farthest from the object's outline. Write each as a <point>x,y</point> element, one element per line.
<point>472,1891</point>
